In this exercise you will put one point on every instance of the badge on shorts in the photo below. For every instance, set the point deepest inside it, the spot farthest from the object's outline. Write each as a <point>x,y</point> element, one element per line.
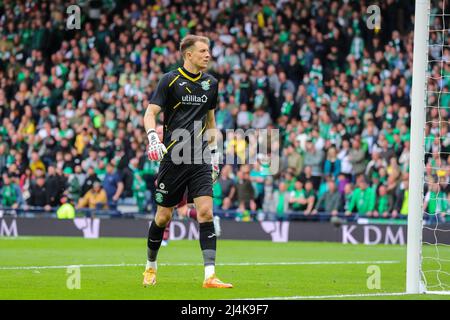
<point>159,197</point>
<point>205,85</point>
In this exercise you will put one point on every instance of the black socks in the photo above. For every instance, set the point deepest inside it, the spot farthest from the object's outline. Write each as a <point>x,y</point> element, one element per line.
<point>208,241</point>
<point>155,236</point>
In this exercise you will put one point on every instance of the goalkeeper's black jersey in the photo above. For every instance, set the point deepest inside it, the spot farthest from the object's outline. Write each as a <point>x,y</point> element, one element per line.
<point>185,100</point>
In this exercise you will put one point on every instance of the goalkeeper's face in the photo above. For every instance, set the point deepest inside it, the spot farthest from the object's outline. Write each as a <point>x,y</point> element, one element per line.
<point>199,55</point>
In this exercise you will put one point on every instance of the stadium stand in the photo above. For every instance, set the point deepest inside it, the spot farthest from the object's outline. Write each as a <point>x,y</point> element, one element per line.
<point>72,105</point>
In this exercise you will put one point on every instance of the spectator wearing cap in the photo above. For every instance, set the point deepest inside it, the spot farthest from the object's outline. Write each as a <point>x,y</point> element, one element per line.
<point>95,198</point>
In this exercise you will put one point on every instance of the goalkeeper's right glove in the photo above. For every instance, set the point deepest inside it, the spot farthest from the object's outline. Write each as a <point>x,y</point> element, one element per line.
<point>156,150</point>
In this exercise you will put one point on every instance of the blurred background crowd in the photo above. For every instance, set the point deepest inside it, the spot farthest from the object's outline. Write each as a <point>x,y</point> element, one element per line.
<point>72,103</point>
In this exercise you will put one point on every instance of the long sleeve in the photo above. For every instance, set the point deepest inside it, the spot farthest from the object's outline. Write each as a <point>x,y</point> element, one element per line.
<point>352,204</point>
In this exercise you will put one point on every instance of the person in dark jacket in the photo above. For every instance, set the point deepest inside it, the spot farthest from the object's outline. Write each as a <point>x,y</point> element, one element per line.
<point>39,195</point>
<point>89,182</point>
<point>330,201</point>
<point>245,192</point>
<point>55,186</point>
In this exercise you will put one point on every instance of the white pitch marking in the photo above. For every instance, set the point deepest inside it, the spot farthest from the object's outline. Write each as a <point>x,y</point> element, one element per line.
<point>200,264</point>
<point>331,296</point>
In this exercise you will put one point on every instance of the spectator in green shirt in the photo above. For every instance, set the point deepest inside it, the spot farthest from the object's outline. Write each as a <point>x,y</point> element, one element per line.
<point>8,193</point>
<point>363,198</point>
<point>384,203</point>
<point>280,205</point>
<point>297,199</point>
<point>436,202</point>
<point>310,195</point>
<point>139,187</point>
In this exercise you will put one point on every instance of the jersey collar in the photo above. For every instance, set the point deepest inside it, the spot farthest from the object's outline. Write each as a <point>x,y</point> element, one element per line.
<point>185,74</point>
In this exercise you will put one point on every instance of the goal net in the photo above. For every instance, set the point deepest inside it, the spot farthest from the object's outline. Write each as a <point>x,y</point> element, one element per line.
<point>436,207</point>
<point>428,258</point>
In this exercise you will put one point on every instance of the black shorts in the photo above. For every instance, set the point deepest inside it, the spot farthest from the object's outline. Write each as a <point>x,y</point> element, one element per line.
<point>174,179</point>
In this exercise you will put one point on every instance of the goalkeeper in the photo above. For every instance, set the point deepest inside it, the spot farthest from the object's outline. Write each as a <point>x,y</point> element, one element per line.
<point>187,97</point>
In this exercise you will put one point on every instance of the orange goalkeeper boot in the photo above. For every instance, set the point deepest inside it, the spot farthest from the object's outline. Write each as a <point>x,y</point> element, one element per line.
<point>149,277</point>
<point>214,282</point>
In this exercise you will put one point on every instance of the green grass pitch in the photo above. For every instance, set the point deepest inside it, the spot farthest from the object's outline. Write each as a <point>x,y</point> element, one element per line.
<point>112,269</point>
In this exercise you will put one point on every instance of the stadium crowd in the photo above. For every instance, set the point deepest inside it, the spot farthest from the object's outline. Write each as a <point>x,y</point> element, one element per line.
<point>72,103</point>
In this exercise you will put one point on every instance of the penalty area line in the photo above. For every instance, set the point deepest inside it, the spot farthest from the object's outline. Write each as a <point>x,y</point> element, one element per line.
<point>337,296</point>
<point>201,264</point>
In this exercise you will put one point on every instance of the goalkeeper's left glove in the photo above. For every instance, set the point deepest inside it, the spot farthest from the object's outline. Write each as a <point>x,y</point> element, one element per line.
<point>215,156</point>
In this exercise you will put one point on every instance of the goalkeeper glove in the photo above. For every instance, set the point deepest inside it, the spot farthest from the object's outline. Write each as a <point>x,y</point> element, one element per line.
<point>156,150</point>
<point>215,155</point>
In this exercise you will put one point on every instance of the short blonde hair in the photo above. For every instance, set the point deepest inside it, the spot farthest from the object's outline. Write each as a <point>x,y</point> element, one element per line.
<point>189,40</point>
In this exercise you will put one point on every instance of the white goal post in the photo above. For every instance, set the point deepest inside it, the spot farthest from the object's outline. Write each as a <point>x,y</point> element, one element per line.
<point>416,167</point>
